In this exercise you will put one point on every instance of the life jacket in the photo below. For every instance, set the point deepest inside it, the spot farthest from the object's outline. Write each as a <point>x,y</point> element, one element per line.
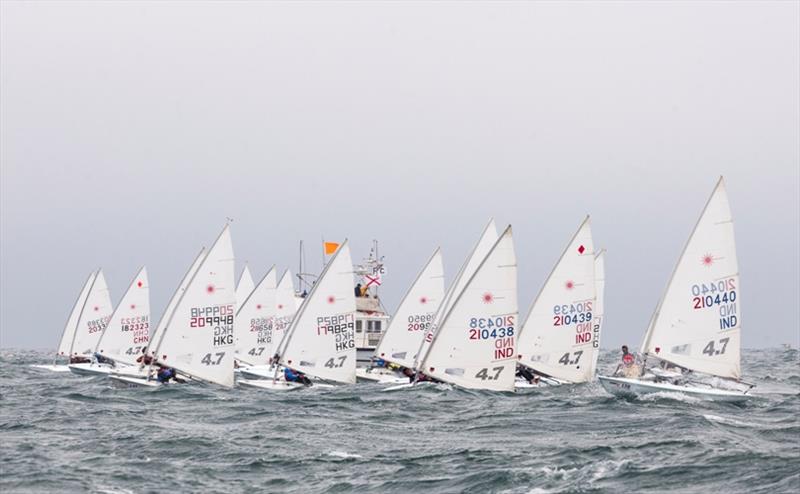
<point>628,359</point>
<point>290,375</point>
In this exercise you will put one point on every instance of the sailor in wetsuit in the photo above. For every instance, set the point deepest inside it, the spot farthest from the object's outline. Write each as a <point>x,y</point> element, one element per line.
<point>294,376</point>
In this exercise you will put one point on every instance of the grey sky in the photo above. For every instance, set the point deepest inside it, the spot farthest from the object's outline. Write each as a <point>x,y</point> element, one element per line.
<point>131,130</point>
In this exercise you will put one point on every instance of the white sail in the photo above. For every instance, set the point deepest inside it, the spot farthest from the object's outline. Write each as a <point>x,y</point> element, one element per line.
<point>475,345</point>
<point>72,321</point>
<point>556,337</point>
<point>128,329</point>
<point>285,306</point>
<point>697,323</point>
<point>155,334</point>
<point>414,315</point>
<point>599,306</point>
<point>254,322</point>
<point>321,339</point>
<point>93,318</point>
<point>245,285</point>
<point>197,338</point>
<point>485,243</point>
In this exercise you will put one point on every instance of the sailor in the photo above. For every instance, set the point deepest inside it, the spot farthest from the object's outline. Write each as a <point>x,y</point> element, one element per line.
<point>357,290</point>
<point>294,376</point>
<point>526,374</point>
<point>103,360</point>
<point>79,359</point>
<point>628,359</point>
<point>144,358</point>
<point>165,374</point>
<point>629,366</point>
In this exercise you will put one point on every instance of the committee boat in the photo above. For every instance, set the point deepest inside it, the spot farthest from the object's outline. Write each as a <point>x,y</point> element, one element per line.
<point>692,345</point>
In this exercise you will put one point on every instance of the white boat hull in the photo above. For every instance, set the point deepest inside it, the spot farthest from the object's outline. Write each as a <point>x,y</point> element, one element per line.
<point>626,387</point>
<point>133,382</point>
<point>91,369</point>
<point>269,384</point>
<point>51,367</point>
<point>258,372</point>
<point>383,376</point>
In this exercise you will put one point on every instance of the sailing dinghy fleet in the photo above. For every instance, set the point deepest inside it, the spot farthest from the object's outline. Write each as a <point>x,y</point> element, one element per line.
<point>470,335</point>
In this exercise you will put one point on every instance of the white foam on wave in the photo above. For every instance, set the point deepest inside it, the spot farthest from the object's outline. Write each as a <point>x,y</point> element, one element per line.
<point>725,420</point>
<point>343,454</point>
<point>670,395</point>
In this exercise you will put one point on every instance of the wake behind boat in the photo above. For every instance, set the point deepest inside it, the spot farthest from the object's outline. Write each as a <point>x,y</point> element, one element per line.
<point>692,343</point>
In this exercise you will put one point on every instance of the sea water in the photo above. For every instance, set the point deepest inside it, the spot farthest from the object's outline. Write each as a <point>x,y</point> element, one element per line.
<point>64,433</point>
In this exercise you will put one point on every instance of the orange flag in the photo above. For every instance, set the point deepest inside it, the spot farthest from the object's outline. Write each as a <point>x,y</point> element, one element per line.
<point>330,247</point>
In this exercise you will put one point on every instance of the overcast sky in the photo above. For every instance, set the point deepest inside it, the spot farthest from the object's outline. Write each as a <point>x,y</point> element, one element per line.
<point>130,131</point>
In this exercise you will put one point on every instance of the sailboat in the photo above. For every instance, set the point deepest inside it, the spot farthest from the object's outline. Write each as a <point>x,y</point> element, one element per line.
<point>405,331</point>
<point>86,321</point>
<point>284,308</point>
<point>245,285</point>
<point>197,335</point>
<point>127,332</point>
<point>558,343</point>
<point>485,242</point>
<point>474,347</point>
<point>321,339</point>
<point>692,345</point>
<point>255,321</point>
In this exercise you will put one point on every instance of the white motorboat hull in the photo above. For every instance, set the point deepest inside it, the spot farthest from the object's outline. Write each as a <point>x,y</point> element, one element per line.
<point>51,367</point>
<point>627,387</point>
